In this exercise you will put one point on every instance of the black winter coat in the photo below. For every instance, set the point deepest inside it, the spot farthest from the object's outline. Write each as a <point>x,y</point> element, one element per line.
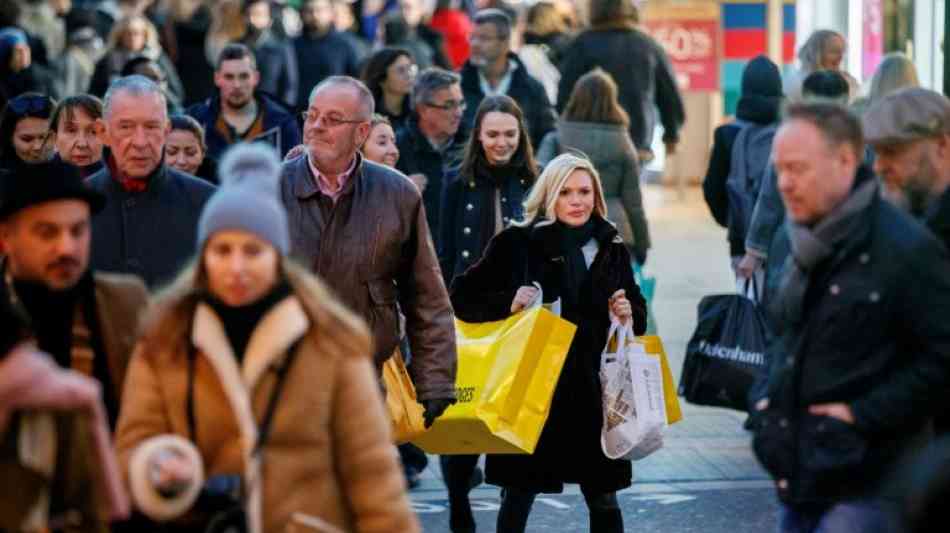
<point>321,57</point>
<point>150,234</point>
<point>277,65</point>
<point>417,156</point>
<point>463,209</point>
<point>569,449</point>
<point>528,92</point>
<point>643,74</point>
<point>874,336</point>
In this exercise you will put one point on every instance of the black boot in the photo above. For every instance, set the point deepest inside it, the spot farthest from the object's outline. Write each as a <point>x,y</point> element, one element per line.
<point>515,508</point>
<point>457,472</point>
<point>605,515</point>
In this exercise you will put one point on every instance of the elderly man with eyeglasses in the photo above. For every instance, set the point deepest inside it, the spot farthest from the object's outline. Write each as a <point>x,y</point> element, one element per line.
<point>432,142</point>
<point>362,227</point>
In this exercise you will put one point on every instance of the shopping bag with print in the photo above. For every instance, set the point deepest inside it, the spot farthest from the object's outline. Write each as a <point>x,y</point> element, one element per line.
<point>634,409</point>
<point>507,373</point>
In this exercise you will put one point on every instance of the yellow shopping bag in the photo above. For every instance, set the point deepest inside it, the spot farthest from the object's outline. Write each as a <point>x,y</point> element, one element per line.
<point>507,373</point>
<point>654,346</point>
<point>405,412</point>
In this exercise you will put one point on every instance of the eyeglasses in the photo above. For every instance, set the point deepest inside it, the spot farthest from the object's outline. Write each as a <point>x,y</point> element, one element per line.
<point>407,71</point>
<point>450,105</point>
<point>329,121</point>
<point>483,38</point>
<point>31,105</point>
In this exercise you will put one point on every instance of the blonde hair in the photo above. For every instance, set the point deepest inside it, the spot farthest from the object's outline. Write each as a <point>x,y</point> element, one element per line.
<point>540,204</point>
<point>152,45</point>
<point>895,72</point>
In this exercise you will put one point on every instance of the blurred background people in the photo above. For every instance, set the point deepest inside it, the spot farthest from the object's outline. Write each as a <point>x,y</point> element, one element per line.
<point>130,37</point>
<point>594,124</point>
<point>452,20</point>
<point>148,67</point>
<point>544,42</point>
<point>389,74</point>
<point>18,71</point>
<point>184,33</point>
<point>638,65</point>
<point>824,50</point>
<point>185,149</point>
<point>320,49</point>
<point>276,61</point>
<point>25,130</point>
<point>493,69</point>
<point>74,133</point>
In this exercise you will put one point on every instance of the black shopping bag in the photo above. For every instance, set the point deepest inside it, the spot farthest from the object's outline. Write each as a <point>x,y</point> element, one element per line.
<point>726,354</point>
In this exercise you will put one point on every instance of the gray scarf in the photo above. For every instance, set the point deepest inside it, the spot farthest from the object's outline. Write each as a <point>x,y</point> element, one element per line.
<point>811,246</point>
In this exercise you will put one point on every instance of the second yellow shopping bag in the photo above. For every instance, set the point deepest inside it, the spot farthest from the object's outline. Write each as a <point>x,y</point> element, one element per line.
<point>507,373</point>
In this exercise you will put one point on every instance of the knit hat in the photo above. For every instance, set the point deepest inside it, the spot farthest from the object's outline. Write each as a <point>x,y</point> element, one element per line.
<point>10,37</point>
<point>248,197</point>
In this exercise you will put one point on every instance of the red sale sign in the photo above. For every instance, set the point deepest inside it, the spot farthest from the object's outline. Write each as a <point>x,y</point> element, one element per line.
<point>689,33</point>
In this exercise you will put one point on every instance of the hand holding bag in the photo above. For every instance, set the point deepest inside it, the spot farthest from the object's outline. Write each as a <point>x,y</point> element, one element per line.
<point>634,408</point>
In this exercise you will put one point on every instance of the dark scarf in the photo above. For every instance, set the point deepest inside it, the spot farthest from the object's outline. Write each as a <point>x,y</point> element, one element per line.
<point>50,315</point>
<point>572,240</point>
<point>240,322</point>
<point>490,180</point>
<point>813,246</point>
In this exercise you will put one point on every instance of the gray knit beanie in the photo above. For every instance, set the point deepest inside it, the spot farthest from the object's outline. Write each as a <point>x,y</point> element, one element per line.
<point>248,197</point>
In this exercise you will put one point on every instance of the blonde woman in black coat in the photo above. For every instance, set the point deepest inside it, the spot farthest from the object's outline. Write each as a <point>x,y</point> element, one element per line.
<point>566,245</point>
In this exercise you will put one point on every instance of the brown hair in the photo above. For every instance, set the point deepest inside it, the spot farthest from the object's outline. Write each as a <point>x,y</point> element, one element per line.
<point>594,99</point>
<point>544,19</point>
<point>613,14</point>
<point>523,158</point>
<point>836,123</point>
<point>66,109</point>
<point>168,321</point>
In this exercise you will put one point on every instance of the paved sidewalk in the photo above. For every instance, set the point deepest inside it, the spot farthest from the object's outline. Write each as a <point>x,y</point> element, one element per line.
<point>708,450</point>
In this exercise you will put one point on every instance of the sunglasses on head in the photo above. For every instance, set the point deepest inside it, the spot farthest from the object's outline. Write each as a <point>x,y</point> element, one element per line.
<point>30,105</point>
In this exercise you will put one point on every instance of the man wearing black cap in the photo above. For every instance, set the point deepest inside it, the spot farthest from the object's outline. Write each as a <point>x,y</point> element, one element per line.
<point>85,320</point>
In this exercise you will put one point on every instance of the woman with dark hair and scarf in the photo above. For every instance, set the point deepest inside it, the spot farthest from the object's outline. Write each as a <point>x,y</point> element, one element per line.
<point>478,203</point>
<point>759,105</point>
<point>25,129</point>
<point>389,74</point>
<point>565,245</point>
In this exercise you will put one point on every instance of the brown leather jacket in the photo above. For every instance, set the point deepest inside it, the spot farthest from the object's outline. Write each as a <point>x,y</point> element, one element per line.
<point>373,248</point>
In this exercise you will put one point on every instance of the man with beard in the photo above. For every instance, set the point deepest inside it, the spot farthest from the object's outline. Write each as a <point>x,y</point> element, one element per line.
<point>910,133</point>
<point>494,69</point>
<point>85,320</point>
<point>362,227</point>
<point>321,50</point>
<point>148,225</point>
<point>239,113</point>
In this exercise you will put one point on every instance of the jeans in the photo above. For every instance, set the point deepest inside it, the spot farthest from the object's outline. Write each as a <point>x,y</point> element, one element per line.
<point>856,516</point>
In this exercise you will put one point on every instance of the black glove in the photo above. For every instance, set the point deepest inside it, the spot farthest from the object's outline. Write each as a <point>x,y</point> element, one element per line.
<point>434,409</point>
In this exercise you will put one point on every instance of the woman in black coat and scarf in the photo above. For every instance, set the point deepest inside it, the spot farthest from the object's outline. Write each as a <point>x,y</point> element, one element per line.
<point>477,204</point>
<point>566,245</point>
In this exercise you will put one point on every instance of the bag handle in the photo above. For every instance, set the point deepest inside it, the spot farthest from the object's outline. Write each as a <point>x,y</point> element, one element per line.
<point>751,282</point>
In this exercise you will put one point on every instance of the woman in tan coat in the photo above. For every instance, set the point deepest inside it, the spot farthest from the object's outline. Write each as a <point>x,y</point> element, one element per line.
<point>251,395</point>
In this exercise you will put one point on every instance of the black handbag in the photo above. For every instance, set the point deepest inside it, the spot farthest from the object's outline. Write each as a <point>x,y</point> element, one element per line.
<point>726,354</point>
<point>221,499</point>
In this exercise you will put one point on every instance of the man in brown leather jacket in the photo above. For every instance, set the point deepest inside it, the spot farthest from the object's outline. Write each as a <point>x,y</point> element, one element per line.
<point>362,228</point>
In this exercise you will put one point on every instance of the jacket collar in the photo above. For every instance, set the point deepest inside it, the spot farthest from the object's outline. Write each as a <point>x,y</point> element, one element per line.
<point>278,329</point>
<point>305,185</point>
<point>471,76</point>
